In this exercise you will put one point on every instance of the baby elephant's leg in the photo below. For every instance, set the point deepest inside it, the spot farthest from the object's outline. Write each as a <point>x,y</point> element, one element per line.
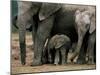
<point>57,57</point>
<point>50,57</point>
<point>63,55</point>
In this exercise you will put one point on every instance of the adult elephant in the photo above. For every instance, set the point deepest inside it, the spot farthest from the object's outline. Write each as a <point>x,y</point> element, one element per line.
<point>39,18</point>
<point>45,20</point>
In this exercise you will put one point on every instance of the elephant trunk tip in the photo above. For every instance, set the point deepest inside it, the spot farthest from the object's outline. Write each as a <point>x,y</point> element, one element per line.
<point>55,64</point>
<point>73,56</point>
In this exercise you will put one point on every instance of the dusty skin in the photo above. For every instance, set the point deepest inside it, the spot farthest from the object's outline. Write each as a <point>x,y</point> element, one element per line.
<point>17,68</point>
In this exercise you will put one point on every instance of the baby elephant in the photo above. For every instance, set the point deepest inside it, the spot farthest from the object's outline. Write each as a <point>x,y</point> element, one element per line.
<point>85,23</point>
<point>58,48</point>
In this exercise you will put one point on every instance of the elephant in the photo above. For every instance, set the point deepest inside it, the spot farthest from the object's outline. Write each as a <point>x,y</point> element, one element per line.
<point>85,22</point>
<point>44,20</point>
<point>91,49</point>
<point>58,48</point>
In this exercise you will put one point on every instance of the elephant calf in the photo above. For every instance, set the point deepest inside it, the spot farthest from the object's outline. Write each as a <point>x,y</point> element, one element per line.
<point>58,48</point>
<point>85,22</point>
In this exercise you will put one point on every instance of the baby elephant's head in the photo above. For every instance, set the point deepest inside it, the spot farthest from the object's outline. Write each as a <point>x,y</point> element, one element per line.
<point>58,40</point>
<point>85,20</point>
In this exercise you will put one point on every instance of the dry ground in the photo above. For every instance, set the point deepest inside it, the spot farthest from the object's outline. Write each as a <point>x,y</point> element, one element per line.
<point>16,66</point>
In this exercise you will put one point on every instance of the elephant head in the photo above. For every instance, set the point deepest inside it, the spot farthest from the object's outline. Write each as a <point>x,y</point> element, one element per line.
<point>58,41</point>
<point>86,17</point>
<point>28,9</point>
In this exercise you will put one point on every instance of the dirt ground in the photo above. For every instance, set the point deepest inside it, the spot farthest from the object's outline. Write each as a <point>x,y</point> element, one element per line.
<point>17,68</point>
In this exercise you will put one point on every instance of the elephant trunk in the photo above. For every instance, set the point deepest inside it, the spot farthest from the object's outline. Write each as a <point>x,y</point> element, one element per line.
<point>22,46</point>
<point>77,50</point>
<point>22,32</point>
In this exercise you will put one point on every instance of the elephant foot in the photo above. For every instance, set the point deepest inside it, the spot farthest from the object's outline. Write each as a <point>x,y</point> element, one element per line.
<point>73,56</point>
<point>51,61</point>
<point>56,64</point>
<point>63,63</point>
<point>80,61</point>
<point>91,62</point>
<point>23,63</point>
<point>44,61</point>
<point>36,63</point>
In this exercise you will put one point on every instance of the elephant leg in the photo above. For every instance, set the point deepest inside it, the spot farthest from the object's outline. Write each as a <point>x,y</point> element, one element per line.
<point>50,59</point>
<point>57,57</point>
<point>95,53</point>
<point>42,34</point>
<point>63,55</point>
<point>90,49</point>
<point>82,57</point>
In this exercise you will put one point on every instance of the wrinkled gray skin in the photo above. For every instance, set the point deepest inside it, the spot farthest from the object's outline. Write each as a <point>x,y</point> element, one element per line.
<point>91,50</point>
<point>85,22</point>
<point>44,19</point>
<point>58,48</point>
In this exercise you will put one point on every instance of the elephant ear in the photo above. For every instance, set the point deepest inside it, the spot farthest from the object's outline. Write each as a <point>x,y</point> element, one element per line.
<point>60,43</point>
<point>93,24</point>
<point>48,9</point>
